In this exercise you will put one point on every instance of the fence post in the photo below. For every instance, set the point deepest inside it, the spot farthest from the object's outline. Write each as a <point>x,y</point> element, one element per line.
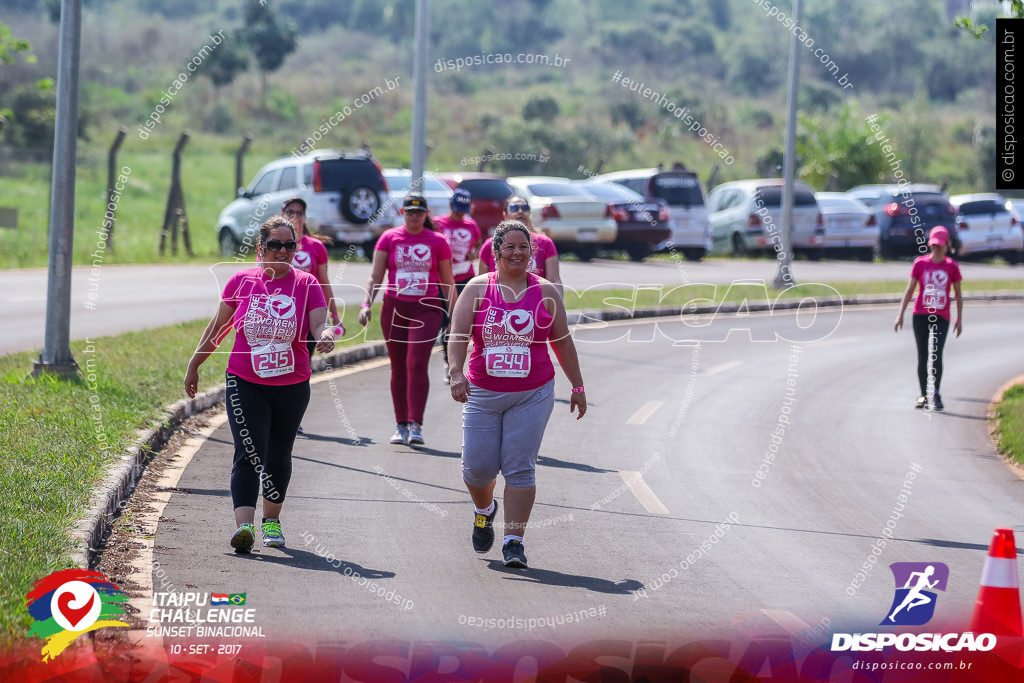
<point>108,222</point>
<point>239,182</point>
<point>174,214</point>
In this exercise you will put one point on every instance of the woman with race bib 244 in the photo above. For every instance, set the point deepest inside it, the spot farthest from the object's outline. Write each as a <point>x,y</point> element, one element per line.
<point>511,315</point>
<point>272,308</point>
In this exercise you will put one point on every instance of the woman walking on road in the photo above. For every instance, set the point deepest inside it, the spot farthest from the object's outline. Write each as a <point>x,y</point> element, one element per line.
<point>418,264</point>
<point>543,260</point>
<point>512,315</point>
<point>310,253</point>
<point>463,235</point>
<point>272,309</point>
<point>935,273</point>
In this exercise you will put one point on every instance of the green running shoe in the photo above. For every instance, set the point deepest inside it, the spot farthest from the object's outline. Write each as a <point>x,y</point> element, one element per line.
<point>243,539</point>
<point>272,536</point>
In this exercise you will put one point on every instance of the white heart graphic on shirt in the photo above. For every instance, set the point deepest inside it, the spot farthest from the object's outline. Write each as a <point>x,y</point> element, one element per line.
<point>519,322</point>
<point>420,252</point>
<point>301,260</point>
<point>281,306</point>
<point>462,235</point>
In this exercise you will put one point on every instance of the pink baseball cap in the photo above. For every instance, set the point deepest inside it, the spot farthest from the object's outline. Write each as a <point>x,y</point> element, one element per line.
<point>938,235</point>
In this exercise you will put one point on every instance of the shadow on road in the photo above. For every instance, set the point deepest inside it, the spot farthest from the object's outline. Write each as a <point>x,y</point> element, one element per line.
<point>548,577</point>
<point>544,461</point>
<point>304,559</point>
<point>361,441</point>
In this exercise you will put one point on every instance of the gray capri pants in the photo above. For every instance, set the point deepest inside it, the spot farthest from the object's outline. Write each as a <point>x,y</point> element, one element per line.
<point>502,431</point>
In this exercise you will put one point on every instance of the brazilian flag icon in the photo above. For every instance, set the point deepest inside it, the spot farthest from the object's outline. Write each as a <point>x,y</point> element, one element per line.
<point>237,598</point>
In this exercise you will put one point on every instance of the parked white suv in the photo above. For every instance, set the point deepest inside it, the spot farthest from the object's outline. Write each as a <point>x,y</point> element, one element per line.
<point>681,189</point>
<point>987,226</point>
<point>344,193</point>
<point>746,216</point>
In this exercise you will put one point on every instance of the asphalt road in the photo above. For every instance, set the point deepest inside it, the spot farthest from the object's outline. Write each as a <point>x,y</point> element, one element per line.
<point>665,461</point>
<point>116,299</point>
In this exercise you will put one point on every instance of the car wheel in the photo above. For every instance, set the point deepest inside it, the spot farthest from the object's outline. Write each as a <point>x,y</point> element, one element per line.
<point>638,252</point>
<point>585,254</point>
<point>693,254</point>
<point>815,254</point>
<point>1013,257</point>
<point>359,204</point>
<point>739,247</point>
<point>227,242</point>
<point>866,254</point>
<point>886,252</point>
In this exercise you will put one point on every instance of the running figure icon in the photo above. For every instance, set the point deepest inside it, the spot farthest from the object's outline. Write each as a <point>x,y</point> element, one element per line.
<point>915,597</point>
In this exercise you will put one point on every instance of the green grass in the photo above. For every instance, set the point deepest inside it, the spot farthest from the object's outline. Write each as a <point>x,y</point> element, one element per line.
<point>1010,424</point>
<point>51,454</point>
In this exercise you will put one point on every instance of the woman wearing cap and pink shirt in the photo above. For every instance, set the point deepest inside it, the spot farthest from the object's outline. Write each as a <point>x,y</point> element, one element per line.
<point>543,260</point>
<point>272,308</point>
<point>935,273</point>
<point>418,262</point>
<point>463,235</point>
<point>512,316</point>
<point>310,253</point>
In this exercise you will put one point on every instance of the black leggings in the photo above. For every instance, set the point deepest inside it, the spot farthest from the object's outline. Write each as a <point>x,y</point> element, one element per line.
<point>923,323</point>
<point>264,420</point>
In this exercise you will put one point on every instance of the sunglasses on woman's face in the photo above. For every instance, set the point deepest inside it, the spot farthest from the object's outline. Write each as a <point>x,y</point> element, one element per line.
<point>276,245</point>
<point>294,214</point>
<point>516,208</point>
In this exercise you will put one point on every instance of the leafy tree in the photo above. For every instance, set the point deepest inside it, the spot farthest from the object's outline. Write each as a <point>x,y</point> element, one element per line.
<point>227,62</point>
<point>840,149</point>
<point>270,41</point>
<point>542,107</point>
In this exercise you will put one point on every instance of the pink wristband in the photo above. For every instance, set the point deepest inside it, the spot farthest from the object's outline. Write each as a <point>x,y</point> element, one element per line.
<point>577,390</point>
<point>365,305</point>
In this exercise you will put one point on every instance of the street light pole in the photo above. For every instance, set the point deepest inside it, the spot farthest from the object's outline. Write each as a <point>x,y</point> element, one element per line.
<point>56,356</point>
<point>419,107</point>
<point>784,278</point>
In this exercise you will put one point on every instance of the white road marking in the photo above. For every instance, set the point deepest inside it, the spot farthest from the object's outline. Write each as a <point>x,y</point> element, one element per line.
<point>835,341</point>
<point>721,367</point>
<point>635,482</point>
<point>646,410</point>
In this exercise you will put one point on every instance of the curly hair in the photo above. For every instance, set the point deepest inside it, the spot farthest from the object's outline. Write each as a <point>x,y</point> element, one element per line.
<point>503,229</point>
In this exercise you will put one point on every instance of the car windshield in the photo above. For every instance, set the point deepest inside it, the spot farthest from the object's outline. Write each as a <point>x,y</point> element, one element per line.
<point>400,183</point>
<point>771,196</point>
<point>678,189</point>
<point>486,188</point>
<point>613,192</point>
<point>556,189</point>
<point>985,206</point>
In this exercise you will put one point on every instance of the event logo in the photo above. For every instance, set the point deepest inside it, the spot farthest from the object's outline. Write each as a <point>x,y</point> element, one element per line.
<point>70,602</point>
<point>419,252</point>
<point>914,602</point>
<point>519,322</point>
<point>301,260</point>
<point>281,306</point>
<point>462,235</point>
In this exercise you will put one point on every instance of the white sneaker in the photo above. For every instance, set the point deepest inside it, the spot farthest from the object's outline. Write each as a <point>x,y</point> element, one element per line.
<point>401,434</point>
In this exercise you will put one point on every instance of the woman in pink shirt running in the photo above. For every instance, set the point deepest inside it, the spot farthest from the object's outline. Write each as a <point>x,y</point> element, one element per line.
<point>512,315</point>
<point>935,273</point>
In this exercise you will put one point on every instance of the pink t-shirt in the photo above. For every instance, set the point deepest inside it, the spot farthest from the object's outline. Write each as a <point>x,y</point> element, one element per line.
<point>412,262</point>
<point>935,280</point>
<point>271,324</point>
<point>510,350</point>
<point>310,254</point>
<point>543,249</point>
<point>461,236</point>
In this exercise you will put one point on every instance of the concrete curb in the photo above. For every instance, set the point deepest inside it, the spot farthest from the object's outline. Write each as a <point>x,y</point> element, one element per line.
<point>117,485</point>
<point>119,482</point>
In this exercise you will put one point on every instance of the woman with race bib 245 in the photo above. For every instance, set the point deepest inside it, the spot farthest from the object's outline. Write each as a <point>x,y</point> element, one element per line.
<point>512,316</point>
<point>272,308</point>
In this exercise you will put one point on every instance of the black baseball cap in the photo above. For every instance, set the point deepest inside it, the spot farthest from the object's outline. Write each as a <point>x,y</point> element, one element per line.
<point>415,201</point>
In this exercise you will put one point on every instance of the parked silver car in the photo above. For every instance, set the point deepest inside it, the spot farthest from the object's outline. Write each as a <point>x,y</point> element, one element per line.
<point>576,220</point>
<point>850,226</point>
<point>987,226</point>
<point>746,216</point>
<point>434,190</point>
<point>344,193</point>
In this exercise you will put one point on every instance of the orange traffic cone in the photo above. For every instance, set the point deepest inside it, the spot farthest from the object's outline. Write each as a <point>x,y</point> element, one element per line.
<point>998,607</point>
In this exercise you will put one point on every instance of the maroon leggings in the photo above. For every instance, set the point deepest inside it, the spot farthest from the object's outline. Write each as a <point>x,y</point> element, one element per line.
<point>410,329</point>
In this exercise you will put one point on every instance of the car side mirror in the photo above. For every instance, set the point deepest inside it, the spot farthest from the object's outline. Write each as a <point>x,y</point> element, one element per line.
<point>241,193</point>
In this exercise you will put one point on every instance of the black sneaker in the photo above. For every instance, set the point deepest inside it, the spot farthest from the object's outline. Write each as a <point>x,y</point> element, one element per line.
<point>514,554</point>
<point>483,530</point>
<point>937,403</point>
<point>922,401</point>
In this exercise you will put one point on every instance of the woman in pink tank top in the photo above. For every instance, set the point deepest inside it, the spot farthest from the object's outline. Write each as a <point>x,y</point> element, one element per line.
<point>512,316</point>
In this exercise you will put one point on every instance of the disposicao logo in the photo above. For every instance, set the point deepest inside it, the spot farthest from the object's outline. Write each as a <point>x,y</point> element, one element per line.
<point>916,582</point>
<point>71,602</point>
<point>913,605</point>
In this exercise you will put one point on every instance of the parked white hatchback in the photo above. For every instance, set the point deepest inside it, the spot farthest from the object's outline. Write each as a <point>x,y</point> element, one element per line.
<point>577,221</point>
<point>987,226</point>
<point>746,216</point>
<point>850,226</point>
